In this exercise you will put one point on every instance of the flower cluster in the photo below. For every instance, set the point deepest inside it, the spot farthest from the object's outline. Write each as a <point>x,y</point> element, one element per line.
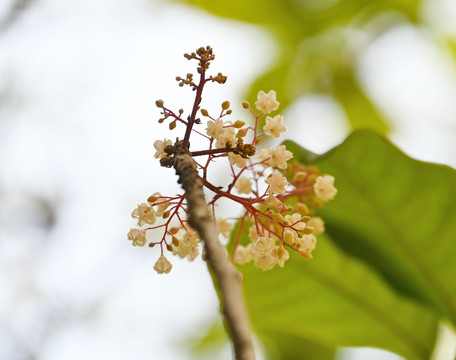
<point>277,196</point>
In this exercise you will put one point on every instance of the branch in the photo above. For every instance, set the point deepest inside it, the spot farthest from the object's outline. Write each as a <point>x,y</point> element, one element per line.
<point>227,277</point>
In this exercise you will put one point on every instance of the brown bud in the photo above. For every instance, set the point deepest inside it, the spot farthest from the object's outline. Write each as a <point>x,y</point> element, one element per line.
<point>225,105</point>
<point>159,103</point>
<point>152,244</point>
<point>172,125</point>
<point>175,241</point>
<point>169,247</point>
<point>245,105</point>
<point>166,214</point>
<point>174,231</point>
<point>204,112</point>
<point>152,199</point>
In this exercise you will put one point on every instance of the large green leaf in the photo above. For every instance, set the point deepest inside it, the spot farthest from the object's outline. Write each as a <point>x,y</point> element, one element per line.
<point>335,300</point>
<point>395,214</point>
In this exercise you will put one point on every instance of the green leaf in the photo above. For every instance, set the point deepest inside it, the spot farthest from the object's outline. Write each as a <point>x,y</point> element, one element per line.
<point>394,213</point>
<point>334,300</point>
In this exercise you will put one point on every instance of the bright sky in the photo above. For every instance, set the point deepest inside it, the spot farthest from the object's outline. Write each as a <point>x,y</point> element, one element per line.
<point>80,79</point>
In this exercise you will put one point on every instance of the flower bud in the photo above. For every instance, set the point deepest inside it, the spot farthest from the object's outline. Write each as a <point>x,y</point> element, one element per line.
<point>225,105</point>
<point>238,124</point>
<point>245,105</point>
<point>172,125</point>
<point>204,112</point>
<point>174,231</point>
<point>159,103</point>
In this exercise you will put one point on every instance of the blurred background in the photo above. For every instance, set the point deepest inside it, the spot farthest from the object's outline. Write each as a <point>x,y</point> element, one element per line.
<point>78,83</point>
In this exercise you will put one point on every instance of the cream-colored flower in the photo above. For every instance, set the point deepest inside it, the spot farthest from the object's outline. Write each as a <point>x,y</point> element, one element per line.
<point>266,261</point>
<point>276,158</point>
<point>267,102</point>
<point>214,128</point>
<point>295,221</point>
<point>277,183</point>
<point>227,136</point>
<point>238,160</point>
<point>243,255</point>
<point>187,247</point>
<point>160,147</point>
<point>306,242</point>
<point>324,187</point>
<point>318,224</point>
<point>253,235</point>
<point>263,245</point>
<point>274,126</point>
<point>163,266</point>
<point>243,185</point>
<point>137,236</point>
<point>145,214</point>
<point>224,227</point>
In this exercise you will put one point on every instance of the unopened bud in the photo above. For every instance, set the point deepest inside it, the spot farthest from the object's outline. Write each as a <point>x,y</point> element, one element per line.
<point>152,199</point>
<point>225,105</point>
<point>175,241</point>
<point>308,230</point>
<point>172,125</point>
<point>152,244</point>
<point>241,133</point>
<point>204,112</point>
<point>302,208</point>
<point>238,124</point>
<point>245,105</point>
<point>174,231</point>
<point>300,176</point>
<point>166,214</point>
<point>289,238</point>
<point>159,103</point>
<point>169,247</point>
<point>229,112</point>
<point>306,218</point>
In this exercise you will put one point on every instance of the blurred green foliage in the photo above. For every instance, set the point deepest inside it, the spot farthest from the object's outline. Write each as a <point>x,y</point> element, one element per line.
<point>318,44</point>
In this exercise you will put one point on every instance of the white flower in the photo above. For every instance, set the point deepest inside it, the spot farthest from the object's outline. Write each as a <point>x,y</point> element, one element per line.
<point>224,227</point>
<point>238,160</point>
<point>295,221</point>
<point>243,255</point>
<point>137,236</point>
<point>318,224</point>
<point>267,102</point>
<point>228,135</point>
<point>160,147</point>
<point>145,214</point>
<point>163,266</point>
<point>306,242</point>
<point>263,245</point>
<point>324,187</point>
<point>243,185</point>
<point>276,158</point>
<point>188,246</point>
<point>277,183</point>
<point>214,128</point>
<point>274,126</point>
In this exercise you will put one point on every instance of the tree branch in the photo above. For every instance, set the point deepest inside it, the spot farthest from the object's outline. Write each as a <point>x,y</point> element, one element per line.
<point>227,277</point>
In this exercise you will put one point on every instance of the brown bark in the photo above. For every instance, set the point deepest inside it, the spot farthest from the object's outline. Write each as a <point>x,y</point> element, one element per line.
<point>227,276</point>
